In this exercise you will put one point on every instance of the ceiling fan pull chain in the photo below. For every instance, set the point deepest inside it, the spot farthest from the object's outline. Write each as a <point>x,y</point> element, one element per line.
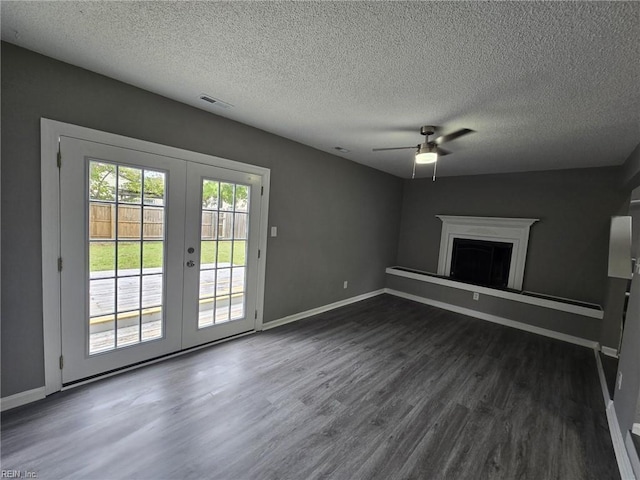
<point>434,171</point>
<point>413,175</point>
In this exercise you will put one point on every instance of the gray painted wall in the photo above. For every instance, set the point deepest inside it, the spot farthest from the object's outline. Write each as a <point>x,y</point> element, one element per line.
<point>568,247</point>
<point>563,322</point>
<point>336,220</point>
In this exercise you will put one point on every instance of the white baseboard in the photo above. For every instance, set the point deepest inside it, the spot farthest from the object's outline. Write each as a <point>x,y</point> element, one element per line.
<point>325,308</point>
<point>622,456</point>
<point>22,398</point>
<point>495,319</point>
<point>609,352</point>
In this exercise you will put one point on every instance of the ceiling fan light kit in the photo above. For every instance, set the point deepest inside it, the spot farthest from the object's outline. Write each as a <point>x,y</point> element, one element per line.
<point>426,154</point>
<point>429,152</point>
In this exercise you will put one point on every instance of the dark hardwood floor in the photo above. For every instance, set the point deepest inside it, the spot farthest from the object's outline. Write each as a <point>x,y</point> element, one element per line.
<point>382,389</point>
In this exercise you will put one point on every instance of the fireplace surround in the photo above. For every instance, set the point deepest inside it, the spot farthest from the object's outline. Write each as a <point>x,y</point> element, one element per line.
<point>508,231</point>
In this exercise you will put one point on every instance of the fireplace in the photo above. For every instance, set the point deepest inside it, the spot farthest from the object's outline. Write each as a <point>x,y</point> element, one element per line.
<point>501,242</point>
<point>481,262</point>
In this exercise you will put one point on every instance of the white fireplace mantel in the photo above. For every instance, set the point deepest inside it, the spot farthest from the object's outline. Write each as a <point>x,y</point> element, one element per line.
<point>497,229</point>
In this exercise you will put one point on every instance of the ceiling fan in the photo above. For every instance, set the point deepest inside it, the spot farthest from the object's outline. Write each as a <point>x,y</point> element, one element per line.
<point>429,151</point>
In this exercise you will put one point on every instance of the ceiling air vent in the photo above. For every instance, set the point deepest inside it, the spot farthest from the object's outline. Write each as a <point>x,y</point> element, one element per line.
<point>214,101</point>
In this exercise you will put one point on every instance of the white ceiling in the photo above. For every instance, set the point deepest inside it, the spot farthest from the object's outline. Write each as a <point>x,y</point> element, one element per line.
<point>545,85</point>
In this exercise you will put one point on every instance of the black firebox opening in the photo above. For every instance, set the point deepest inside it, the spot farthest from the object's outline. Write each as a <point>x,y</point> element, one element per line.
<point>481,262</point>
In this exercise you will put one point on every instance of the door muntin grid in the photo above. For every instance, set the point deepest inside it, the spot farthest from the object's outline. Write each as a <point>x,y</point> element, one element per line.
<point>224,237</point>
<point>126,238</point>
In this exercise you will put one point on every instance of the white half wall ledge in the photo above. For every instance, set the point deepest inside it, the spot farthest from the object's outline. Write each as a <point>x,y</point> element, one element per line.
<point>555,303</point>
<point>496,229</point>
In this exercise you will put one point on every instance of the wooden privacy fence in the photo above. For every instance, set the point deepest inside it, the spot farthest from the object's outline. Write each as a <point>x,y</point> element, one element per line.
<point>222,225</point>
<point>102,222</point>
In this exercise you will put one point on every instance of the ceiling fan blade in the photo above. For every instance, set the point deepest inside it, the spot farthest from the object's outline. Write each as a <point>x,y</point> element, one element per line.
<point>453,136</point>
<point>393,148</point>
<point>442,152</point>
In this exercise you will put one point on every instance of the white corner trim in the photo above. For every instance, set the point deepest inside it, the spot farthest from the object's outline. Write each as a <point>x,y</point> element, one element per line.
<point>495,319</point>
<point>609,352</point>
<point>516,297</point>
<point>622,457</point>
<point>498,229</point>
<point>22,398</point>
<point>325,308</point>
<point>636,429</point>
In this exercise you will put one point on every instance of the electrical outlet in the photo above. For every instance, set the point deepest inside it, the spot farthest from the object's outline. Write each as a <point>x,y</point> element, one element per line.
<point>619,380</point>
<point>476,296</point>
<point>274,231</point>
<point>345,284</point>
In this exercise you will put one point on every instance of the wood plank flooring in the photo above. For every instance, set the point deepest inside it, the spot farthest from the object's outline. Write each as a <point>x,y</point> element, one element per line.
<point>382,389</point>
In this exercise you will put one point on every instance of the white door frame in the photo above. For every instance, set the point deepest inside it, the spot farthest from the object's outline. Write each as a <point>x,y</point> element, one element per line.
<point>50,133</point>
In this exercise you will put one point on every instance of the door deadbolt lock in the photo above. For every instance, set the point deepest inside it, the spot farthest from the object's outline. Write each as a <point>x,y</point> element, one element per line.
<point>190,263</point>
<point>191,250</point>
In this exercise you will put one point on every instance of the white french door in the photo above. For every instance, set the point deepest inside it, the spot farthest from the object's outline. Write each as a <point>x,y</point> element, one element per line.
<point>158,254</point>
<point>222,219</point>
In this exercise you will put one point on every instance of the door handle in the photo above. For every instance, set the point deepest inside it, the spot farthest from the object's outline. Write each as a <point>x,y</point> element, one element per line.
<point>191,263</point>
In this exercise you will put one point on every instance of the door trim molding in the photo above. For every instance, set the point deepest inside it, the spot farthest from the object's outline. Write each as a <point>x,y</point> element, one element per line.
<point>50,133</point>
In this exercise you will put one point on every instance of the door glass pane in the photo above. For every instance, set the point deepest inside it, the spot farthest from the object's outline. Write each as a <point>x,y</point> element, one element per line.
<point>128,328</point>
<point>153,223</point>
<point>152,323</point>
<point>225,226</point>
<point>242,198</point>
<point>240,223</point>
<point>239,252</point>
<point>102,258</point>
<point>125,274</point>
<point>151,291</point>
<point>208,254</point>
<point>238,280</point>
<point>102,181</point>
<point>101,297</point>
<point>222,309</point>
<point>129,257</point>
<point>210,194</point>
<point>224,231</point>
<point>152,257</point>
<point>205,315</point>
<point>153,188</point>
<point>209,225</point>
<point>237,307</point>
<point>129,226</point>
<point>128,293</point>
<point>129,185</point>
<point>227,193</point>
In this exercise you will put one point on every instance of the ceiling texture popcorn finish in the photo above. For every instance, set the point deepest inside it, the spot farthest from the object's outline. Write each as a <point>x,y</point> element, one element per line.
<point>546,85</point>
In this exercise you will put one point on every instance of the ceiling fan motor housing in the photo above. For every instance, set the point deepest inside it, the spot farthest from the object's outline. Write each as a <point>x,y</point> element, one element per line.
<point>427,130</point>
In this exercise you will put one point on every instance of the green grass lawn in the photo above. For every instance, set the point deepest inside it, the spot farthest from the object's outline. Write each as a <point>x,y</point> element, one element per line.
<point>102,254</point>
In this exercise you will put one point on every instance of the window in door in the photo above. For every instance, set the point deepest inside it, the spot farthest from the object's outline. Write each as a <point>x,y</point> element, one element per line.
<point>224,232</point>
<point>126,212</point>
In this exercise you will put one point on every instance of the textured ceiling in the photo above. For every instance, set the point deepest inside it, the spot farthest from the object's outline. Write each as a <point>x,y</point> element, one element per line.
<point>545,85</point>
